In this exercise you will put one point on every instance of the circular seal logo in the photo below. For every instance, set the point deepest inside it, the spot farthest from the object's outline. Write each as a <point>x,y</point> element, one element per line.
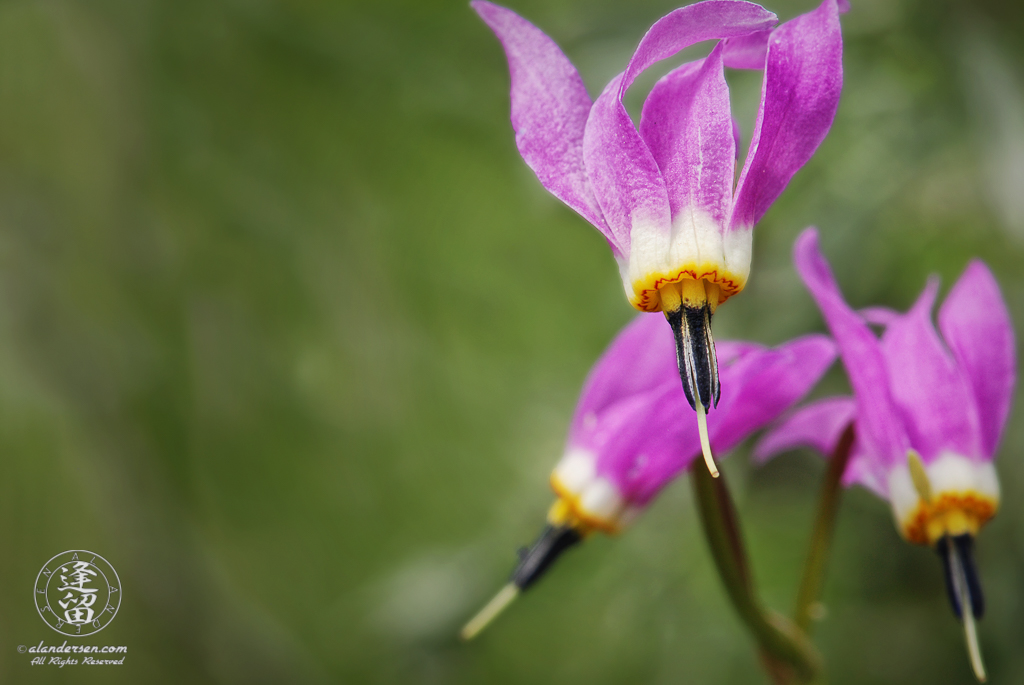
<point>78,593</point>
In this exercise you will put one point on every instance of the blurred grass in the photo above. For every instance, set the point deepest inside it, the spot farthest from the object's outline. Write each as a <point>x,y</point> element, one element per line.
<point>290,335</point>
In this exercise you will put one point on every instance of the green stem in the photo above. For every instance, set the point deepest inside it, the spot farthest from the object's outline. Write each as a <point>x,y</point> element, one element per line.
<point>784,648</point>
<point>821,537</point>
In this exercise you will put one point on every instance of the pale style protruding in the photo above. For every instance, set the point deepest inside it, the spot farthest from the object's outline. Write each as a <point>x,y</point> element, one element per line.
<point>490,611</point>
<point>970,627</point>
<point>705,442</point>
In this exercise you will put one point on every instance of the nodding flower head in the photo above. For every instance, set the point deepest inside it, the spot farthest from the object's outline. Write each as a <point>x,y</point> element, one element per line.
<point>928,411</point>
<point>626,442</point>
<point>663,193</point>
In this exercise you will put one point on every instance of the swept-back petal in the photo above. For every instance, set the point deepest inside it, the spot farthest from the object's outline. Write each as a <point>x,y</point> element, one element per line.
<point>622,171</point>
<point>746,52</point>
<point>737,136</point>
<point>862,469</point>
<point>641,358</point>
<point>818,425</point>
<point>879,429</point>
<point>977,327</point>
<point>799,97</point>
<point>681,28</point>
<point>934,398</point>
<point>549,110</point>
<point>879,316</point>
<point>688,127</point>
<point>765,385</point>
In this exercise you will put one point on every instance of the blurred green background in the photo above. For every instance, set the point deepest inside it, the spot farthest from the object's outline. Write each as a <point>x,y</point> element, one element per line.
<point>291,336</point>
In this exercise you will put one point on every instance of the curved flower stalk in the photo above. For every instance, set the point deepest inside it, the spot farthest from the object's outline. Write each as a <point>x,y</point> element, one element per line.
<point>928,413</point>
<point>663,195</point>
<point>626,443</point>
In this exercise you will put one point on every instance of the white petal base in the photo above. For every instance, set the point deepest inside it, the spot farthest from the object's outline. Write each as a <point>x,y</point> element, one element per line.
<point>695,247</point>
<point>964,495</point>
<point>593,499</point>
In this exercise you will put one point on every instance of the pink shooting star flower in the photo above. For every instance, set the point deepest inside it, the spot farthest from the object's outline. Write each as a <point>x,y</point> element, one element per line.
<point>928,412</point>
<point>626,443</point>
<point>663,195</point>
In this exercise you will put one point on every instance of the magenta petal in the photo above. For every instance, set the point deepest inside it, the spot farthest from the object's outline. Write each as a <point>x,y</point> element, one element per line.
<point>799,97</point>
<point>687,125</point>
<point>730,351</point>
<point>612,432</point>
<point>819,425</point>
<point>681,28</point>
<point>977,327</point>
<point>766,385</point>
<point>642,357</point>
<point>863,470</point>
<point>879,429</point>
<point>661,440</point>
<point>879,316</point>
<point>622,170</point>
<point>747,52</point>
<point>934,399</point>
<point>550,106</point>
